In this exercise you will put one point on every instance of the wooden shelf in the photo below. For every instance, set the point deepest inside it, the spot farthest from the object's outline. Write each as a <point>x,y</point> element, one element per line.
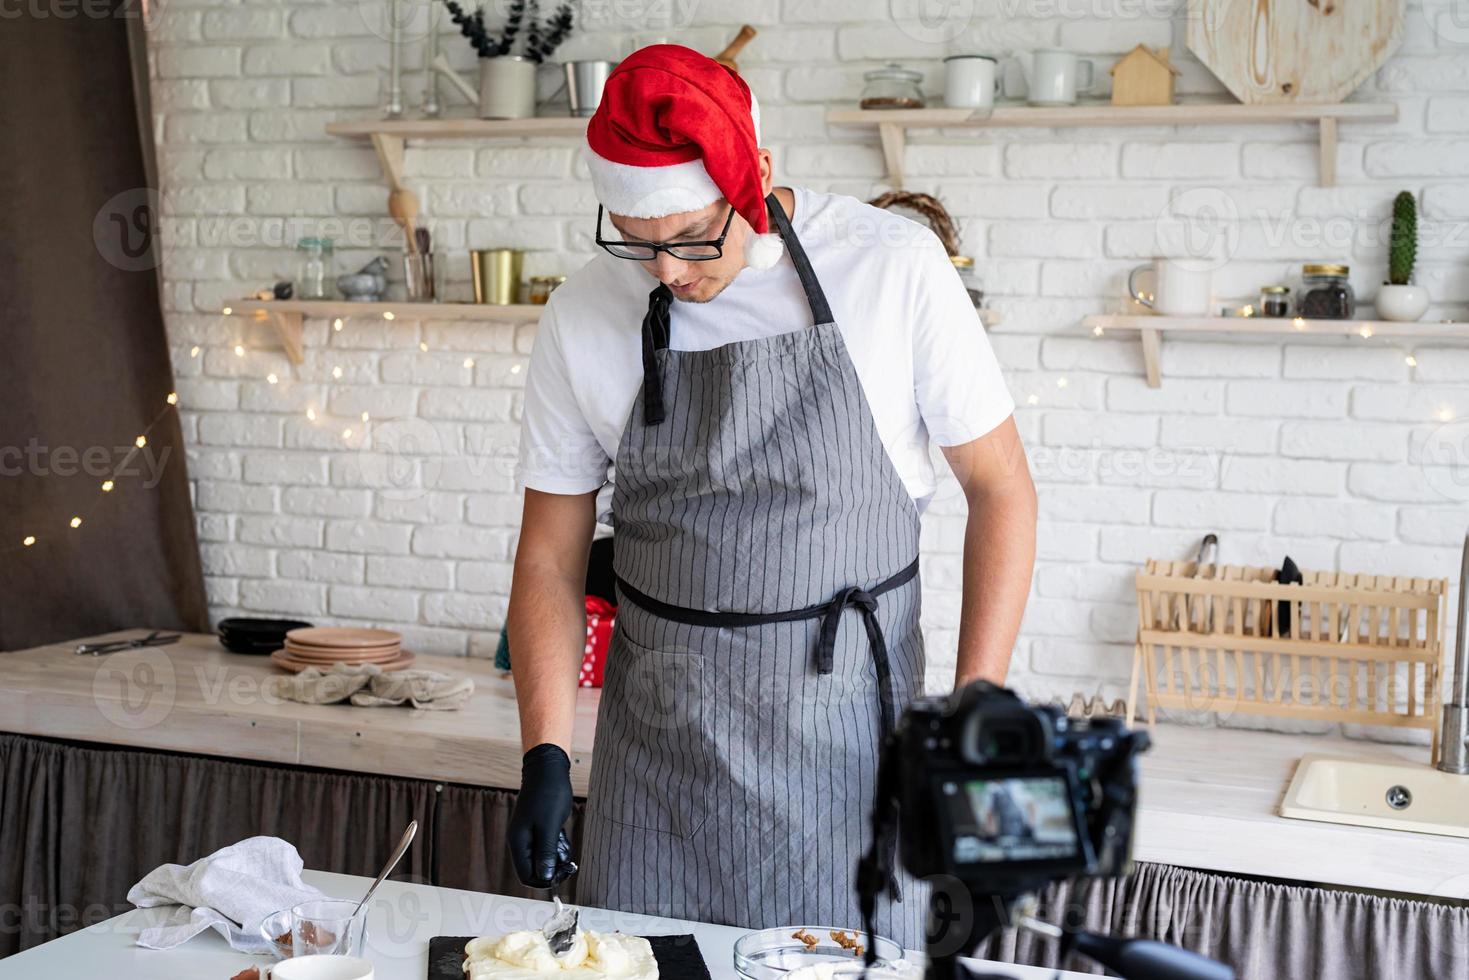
<point>389,135</point>
<point>1150,330</point>
<point>289,315</point>
<point>893,124</point>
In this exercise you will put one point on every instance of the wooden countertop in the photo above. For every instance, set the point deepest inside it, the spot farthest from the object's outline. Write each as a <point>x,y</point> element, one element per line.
<point>1209,796</point>
<point>197,697</point>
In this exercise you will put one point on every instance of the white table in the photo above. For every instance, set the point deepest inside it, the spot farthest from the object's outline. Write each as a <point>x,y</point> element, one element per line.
<point>400,923</point>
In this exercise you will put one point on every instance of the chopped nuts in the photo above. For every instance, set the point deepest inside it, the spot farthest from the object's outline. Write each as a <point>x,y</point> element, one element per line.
<point>848,940</point>
<point>806,938</point>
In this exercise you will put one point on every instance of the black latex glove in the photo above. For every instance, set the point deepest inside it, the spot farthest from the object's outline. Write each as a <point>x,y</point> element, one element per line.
<point>539,848</point>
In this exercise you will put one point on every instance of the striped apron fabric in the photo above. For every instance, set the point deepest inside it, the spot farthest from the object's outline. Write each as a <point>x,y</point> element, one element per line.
<point>766,635</point>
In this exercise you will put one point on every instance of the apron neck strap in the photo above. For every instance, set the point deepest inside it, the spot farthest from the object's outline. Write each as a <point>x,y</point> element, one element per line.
<point>657,329</point>
<point>815,297</point>
<point>657,323</point>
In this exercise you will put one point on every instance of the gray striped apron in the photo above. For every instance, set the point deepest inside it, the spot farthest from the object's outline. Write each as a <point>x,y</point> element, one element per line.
<point>766,635</point>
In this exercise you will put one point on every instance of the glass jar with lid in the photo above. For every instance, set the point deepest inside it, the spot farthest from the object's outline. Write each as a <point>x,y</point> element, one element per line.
<point>1325,293</point>
<point>1274,301</point>
<point>892,87</point>
<point>965,266</point>
<point>315,265</point>
<point>541,288</point>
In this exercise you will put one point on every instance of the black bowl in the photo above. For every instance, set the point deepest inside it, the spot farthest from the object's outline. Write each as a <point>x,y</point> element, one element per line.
<point>256,636</point>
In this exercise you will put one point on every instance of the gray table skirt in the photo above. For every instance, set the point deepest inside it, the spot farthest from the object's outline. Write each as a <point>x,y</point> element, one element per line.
<point>79,824</point>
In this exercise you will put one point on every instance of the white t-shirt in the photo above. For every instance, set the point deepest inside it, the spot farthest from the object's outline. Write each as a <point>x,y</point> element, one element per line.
<point>909,326</point>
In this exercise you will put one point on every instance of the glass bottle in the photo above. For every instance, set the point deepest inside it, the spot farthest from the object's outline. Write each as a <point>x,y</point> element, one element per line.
<point>316,258</point>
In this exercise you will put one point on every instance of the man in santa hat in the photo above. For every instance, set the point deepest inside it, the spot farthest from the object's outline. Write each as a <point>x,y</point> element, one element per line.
<point>758,373</point>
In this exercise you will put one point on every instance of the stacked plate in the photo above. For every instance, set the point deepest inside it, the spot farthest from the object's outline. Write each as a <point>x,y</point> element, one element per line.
<point>259,636</point>
<point>325,646</point>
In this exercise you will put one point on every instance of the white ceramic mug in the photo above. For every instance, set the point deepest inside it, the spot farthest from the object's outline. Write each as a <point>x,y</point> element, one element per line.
<point>971,81</point>
<point>1179,289</point>
<point>1055,77</point>
<point>330,967</point>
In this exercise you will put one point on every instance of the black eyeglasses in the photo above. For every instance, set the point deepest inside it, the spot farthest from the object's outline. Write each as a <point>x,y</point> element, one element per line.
<point>648,251</point>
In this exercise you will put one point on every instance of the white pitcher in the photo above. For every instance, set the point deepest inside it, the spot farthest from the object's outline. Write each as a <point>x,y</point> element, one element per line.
<point>507,86</point>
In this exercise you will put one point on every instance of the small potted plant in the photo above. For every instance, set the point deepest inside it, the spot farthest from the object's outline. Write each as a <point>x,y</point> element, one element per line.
<point>507,81</point>
<point>1398,299</point>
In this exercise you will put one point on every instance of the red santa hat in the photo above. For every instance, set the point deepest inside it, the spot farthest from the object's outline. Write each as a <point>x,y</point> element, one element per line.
<point>676,131</point>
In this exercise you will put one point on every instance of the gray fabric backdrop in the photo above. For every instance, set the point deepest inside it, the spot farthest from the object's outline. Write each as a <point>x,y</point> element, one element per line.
<point>86,362</point>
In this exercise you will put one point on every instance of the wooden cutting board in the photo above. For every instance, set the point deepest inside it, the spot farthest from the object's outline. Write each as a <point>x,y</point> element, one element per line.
<point>678,958</point>
<point>1306,51</point>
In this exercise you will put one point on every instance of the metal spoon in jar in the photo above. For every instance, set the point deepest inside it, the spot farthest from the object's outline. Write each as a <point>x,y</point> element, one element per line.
<point>397,856</point>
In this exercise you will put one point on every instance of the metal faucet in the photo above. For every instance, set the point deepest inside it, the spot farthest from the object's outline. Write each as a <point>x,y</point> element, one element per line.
<point>1455,754</point>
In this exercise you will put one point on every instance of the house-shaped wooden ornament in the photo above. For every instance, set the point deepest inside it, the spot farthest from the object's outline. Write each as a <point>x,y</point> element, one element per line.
<point>1143,76</point>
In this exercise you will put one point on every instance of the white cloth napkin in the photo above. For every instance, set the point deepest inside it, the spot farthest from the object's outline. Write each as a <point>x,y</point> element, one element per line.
<point>231,891</point>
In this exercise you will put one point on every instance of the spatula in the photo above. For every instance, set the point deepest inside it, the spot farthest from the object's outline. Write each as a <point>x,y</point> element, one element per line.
<point>560,929</point>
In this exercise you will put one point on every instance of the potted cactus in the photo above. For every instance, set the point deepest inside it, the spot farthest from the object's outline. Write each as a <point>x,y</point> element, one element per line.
<point>1398,298</point>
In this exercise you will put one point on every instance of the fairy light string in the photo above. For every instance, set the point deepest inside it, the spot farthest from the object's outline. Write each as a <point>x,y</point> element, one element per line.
<point>51,529</point>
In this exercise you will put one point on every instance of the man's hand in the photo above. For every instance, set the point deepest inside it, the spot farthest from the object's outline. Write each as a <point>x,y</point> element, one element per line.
<point>538,847</point>
<point>999,550</point>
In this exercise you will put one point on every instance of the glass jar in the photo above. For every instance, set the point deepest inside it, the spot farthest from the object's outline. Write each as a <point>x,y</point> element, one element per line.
<point>541,288</point>
<point>315,263</point>
<point>1275,301</point>
<point>965,266</point>
<point>1325,293</point>
<point>892,87</point>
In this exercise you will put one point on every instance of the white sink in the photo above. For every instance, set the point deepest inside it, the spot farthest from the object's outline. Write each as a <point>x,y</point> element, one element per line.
<point>1351,791</point>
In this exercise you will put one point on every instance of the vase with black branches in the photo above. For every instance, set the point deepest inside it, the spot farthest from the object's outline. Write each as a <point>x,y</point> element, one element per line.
<point>508,55</point>
<point>1399,298</point>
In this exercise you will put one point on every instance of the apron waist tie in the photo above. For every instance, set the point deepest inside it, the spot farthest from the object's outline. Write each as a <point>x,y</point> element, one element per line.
<point>830,613</point>
<point>864,600</point>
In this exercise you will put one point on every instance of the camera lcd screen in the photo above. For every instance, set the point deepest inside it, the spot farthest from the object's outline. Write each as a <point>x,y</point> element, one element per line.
<point>1013,818</point>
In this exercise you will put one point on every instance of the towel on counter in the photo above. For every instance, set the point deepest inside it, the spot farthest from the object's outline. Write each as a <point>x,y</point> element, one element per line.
<point>231,891</point>
<point>368,686</point>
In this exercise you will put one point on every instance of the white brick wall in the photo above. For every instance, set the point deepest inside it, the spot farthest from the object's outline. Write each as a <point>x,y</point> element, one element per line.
<point>1333,451</point>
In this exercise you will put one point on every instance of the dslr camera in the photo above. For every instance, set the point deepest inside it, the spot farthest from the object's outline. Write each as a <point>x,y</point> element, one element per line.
<point>991,799</point>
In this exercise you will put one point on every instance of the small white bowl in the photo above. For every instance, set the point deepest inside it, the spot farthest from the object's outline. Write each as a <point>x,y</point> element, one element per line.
<point>328,967</point>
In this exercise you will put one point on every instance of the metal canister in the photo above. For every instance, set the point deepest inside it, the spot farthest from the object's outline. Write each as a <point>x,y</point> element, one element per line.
<point>496,274</point>
<point>584,83</point>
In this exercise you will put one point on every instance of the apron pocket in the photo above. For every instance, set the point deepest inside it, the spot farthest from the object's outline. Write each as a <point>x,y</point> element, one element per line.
<point>651,761</point>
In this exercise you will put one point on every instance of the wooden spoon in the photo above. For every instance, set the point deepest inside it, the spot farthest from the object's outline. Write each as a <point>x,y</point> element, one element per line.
<point>403,206</point>
<point>727,56</point>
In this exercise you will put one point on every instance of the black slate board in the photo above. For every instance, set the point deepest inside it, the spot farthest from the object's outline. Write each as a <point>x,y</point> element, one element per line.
<point>678,957</point>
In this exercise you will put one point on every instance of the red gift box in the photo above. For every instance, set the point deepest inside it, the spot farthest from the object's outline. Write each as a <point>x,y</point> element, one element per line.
<point>601,614</point>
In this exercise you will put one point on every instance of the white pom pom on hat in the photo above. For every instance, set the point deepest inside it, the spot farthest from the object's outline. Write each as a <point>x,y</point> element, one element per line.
<point>676,131</point>
<point>763,251</point>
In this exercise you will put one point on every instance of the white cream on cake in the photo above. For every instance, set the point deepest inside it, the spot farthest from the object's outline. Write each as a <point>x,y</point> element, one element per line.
<point>526,955</point>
